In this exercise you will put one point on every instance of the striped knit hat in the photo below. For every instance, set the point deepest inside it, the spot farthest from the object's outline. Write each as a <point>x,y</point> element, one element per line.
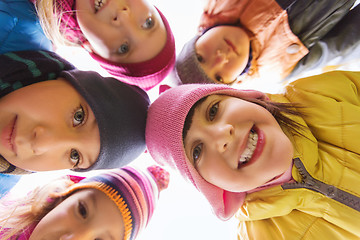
<point>134,192</point>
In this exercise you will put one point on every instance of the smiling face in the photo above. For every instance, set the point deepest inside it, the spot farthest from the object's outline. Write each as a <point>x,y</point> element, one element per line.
<point>121,31</point>
<point>86,214</point>
<point>48,126</point>
<point>235,144</point>
<point>223,53</point>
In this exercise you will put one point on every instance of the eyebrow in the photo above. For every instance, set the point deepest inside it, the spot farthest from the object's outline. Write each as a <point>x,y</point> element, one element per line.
<point>188,147</point>
<point>190,115</point>
<point>86,157</point>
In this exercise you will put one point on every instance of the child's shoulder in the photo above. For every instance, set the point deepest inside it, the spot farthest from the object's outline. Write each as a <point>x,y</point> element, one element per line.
<point>331,84</point>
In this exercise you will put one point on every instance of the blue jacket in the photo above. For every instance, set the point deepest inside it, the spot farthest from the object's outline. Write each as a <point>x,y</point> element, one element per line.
<point>20,28</point>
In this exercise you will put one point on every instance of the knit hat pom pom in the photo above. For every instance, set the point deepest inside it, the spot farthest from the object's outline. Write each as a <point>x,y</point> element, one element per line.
<point>160,175</point>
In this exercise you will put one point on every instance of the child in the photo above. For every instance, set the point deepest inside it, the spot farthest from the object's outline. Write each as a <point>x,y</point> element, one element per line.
<point>56,117</point>
<point>20,30</point>
<point>273,40</point>
<point>132,40</point>
<point>20,27</point>
<point>117,204</point>
<point>285,170</point>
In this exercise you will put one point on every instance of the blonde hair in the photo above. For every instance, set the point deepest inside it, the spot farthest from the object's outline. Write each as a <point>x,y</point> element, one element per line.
<point>50,21</point>
<point>17,215</point>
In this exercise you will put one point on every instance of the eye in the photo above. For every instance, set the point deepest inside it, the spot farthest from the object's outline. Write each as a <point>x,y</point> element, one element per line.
<point>79,116</point>
<point>124,48</point>
<point>200,58</point>
<point>213,111</point>
<point>74,157</point>
<point>219,78</point>
<point>149,23</point>
<point>196,153</point>
<point>82,210</point>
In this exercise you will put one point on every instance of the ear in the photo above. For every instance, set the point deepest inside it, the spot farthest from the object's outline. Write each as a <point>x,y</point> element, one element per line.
<point>86,45</point>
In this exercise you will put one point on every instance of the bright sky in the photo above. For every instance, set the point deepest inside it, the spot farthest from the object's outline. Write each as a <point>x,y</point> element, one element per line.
<point>182,212</point>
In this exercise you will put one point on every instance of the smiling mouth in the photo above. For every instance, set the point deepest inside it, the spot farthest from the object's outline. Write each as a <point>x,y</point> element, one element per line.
<point>99,4</point>
<point>232,46</point>
<point>250,148</point>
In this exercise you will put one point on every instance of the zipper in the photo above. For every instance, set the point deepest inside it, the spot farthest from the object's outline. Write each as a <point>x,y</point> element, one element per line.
<point>329,191</point>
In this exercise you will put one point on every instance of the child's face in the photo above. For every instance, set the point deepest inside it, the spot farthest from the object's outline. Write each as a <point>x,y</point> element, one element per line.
<point>223,53</point>
<point>86,214</point>
<point>48,126</point>
<point>122,31</point>
<point>235,144</point>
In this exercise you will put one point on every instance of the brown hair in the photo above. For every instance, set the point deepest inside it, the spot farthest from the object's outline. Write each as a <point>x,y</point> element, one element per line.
<point>17,215</point>
<point>277,109</point>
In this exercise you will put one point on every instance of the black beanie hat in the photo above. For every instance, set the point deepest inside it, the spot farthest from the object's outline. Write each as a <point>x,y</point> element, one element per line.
<point>120,109</point>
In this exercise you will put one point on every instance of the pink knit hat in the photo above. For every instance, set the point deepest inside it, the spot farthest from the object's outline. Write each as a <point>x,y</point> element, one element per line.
<point>164,126</point>
<point>145,74</point>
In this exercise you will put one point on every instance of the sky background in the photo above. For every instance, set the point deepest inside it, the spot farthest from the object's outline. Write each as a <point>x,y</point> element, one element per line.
<point>182,212</point>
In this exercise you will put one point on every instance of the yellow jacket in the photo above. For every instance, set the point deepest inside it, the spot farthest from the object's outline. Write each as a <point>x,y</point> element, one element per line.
<point>331,155</point>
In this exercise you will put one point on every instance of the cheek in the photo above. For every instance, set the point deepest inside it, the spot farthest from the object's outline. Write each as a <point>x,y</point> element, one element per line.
<point>215,171</point>
<point>49,223</point>
<point>231,72</point>
<point>237,65</point>
<point>279,153</point>
<point>205,46</point>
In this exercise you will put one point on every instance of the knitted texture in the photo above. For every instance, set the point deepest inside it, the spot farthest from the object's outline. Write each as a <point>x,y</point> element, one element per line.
<point>69,27</point>
<point>134,192</point>
<point>165,123</point>
<point>146,74</point>
<point>120,109</point>
<point>187,67</point>
<point>20,69</point>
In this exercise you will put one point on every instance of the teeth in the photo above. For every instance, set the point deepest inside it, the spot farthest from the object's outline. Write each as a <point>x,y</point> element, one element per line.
<point>99,4</point>
<point>250,147</point>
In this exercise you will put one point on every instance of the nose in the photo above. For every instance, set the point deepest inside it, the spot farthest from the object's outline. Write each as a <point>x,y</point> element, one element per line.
<point>220,58</point>
<point>223,136</point>
<point>45,139</point>
<point>121,15</point>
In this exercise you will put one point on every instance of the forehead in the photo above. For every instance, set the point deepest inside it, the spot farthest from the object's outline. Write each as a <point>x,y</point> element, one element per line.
<point>106,217</point>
